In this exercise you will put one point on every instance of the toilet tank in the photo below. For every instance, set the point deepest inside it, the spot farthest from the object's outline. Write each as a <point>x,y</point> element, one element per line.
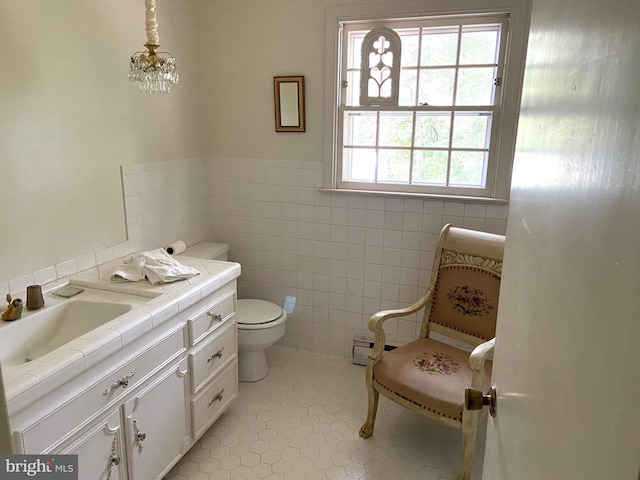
<point>208,250</point>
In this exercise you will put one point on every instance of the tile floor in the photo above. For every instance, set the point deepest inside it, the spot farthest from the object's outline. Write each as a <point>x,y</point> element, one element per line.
<point>301,423</point>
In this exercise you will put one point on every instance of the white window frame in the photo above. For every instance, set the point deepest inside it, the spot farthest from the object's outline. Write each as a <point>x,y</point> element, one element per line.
<point>499,172</point>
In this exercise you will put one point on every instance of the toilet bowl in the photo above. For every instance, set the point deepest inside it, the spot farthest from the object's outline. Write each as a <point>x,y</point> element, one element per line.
<point>260,323</point>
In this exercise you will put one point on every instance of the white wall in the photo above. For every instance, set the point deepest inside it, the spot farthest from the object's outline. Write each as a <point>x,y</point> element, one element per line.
<point>69,117</point>
<point>202,163</point>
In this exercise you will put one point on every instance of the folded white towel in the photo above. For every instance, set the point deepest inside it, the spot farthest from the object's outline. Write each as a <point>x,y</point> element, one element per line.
<point>157,265</point>
<point>131,271</point>
<point>160,267</point>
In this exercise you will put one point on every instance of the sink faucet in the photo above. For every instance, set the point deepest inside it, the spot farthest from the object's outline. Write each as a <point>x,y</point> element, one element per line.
<point>14,309</point>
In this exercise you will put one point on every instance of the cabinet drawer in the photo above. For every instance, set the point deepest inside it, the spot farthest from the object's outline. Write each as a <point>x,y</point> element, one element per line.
<point>44,435</point>
<point>215,352</point>
<point>221,309</point>
<point>207,406</point>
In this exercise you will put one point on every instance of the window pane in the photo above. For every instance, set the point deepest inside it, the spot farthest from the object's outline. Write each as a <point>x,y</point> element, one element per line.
<point>467,169</point>
<point>353,90</point>
<point>475,86</point>
<point>430,166</point>
<point>393,166</point>
<point>436,87</point>
<point>439,49</point>
<point>353,60</point>
<point>432,129</point>
<point>359,164</point>
<point>396,129</point>
<point>409,57</point>
<point>478,47</point>
<point>471,130</point>
<point>360,128</point>
<point>408,83</point>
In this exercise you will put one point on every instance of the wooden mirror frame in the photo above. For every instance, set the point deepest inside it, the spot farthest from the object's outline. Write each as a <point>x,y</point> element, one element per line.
<point>288,95</point>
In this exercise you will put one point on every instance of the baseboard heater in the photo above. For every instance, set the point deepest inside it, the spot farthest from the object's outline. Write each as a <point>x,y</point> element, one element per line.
<point>362,347</point>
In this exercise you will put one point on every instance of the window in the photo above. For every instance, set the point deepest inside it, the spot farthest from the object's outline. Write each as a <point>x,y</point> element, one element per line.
<point>420,104</point>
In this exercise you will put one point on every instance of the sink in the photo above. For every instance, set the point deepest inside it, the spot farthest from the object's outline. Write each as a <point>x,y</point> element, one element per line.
<point>40,332</point>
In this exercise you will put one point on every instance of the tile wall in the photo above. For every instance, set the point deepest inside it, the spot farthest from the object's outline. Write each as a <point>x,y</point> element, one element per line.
<point>341,257</point>
<point>163,201</point>
<point>166,201</point>
<point>335,259</point>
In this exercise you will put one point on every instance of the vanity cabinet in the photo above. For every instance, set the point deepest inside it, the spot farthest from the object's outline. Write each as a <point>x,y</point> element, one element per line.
<point>213,361</point>
<point>159,396</point>
<point>64,415</point>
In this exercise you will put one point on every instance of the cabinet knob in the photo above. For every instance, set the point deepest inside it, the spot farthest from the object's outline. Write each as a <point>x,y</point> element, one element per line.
<point>215,316</point>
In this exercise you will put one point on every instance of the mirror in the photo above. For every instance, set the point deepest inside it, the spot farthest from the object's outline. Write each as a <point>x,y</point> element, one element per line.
<point>288,93</point>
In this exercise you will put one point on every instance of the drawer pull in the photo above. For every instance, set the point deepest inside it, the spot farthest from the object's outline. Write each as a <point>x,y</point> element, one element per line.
<point>216,398</point>
<point>215,316</point>
<point>139,437</point>
<point>114,459</point>
<point>218,354</point>
<point>123,382</point>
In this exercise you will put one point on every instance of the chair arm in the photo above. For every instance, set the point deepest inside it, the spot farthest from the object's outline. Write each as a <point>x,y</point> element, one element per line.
<point>377,319</point>
<point>476,362</point>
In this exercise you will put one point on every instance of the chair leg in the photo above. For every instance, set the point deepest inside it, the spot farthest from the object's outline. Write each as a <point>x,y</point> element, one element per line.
<point>469,433</point>
<point>367,428</point>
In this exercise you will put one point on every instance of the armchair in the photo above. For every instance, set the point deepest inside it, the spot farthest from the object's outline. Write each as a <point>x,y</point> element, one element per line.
<point>429,375</point>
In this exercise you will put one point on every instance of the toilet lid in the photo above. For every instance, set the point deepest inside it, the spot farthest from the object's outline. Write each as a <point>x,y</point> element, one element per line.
<point>255,312</point>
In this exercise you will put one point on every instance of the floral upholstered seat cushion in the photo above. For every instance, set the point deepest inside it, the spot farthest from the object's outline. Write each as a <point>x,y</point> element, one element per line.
<point>428,373</point>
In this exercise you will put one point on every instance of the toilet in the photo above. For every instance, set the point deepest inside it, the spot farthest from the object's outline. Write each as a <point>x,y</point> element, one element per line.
<point>260,323</point>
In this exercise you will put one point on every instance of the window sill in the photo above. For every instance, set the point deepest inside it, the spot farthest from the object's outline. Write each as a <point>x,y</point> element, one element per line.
<point>425,196</point>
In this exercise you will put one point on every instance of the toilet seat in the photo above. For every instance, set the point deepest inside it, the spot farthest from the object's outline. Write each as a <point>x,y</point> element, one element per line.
<point>256,314</point>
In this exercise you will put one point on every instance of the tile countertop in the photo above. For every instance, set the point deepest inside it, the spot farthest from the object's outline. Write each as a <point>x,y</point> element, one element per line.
<point>28,382</point>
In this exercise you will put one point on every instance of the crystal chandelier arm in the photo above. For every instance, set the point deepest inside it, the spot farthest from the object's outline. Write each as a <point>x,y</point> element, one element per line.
<point>151,24</point>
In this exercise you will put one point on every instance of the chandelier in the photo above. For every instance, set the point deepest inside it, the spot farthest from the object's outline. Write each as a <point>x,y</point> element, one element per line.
<point>154,71</point>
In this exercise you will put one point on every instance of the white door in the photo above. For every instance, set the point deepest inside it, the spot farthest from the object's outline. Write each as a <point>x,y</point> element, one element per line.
<point>567,359</point>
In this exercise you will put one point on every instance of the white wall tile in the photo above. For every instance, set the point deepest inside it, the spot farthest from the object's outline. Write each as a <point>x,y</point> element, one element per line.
<point>394,204</point>
<point>375,203</point>
<point>20,284</point>
<point>375,219</point>
<point>67,268</point>
<point>45,275</point>
<point>356,253</point>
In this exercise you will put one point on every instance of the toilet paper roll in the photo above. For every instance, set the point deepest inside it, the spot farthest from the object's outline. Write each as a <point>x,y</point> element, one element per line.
<point>176,247</point>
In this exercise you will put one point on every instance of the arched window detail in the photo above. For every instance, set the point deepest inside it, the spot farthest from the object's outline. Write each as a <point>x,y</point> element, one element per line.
<point>380,67</point>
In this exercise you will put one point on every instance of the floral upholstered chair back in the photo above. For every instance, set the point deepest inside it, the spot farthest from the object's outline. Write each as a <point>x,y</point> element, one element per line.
<point>466,286</point>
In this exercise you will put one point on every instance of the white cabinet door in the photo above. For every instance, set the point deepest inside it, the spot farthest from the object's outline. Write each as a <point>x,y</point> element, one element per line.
<point>157,435</point>
<point>100,451</point>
